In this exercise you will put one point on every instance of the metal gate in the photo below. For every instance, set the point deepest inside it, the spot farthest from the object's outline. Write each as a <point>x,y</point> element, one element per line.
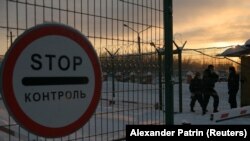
<point>126,35</point>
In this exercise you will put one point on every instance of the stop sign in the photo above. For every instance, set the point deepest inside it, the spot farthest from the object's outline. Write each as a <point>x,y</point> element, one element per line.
<point>51,80</point>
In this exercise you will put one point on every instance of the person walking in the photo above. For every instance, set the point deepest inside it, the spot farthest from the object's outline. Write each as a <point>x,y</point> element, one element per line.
<point>233,87</point>
<point>209,80</point>
<point>196,88</point>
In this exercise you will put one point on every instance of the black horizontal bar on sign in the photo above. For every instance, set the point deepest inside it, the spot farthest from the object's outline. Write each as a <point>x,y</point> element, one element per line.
<point>42,81</point>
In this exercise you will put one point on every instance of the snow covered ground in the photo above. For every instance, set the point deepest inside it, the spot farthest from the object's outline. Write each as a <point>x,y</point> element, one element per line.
<point>118,120</point>
<point>198,119</point>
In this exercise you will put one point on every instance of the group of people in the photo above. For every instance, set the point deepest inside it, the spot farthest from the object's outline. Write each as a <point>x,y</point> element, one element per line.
<point>202,88</point>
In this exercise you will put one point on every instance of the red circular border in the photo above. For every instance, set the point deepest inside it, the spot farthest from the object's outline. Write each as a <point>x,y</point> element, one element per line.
<point>7,77</point>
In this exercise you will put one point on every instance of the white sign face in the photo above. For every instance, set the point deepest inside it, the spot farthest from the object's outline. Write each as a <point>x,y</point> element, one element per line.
<point>51,80</point>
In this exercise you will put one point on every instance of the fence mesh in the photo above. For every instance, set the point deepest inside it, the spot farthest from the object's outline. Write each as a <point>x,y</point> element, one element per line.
<point>122,32</point>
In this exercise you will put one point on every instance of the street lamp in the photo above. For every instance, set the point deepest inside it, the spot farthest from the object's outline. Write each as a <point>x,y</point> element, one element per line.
<point>138,35</point>
<point>139,49</point>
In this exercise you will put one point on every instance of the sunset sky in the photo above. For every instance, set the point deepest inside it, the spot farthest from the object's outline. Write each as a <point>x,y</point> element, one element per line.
<point>202,23</point>
<point>208,23</point>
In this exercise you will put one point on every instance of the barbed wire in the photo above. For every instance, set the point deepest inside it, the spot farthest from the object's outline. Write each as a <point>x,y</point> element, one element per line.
<point>232,60</point>
<point>215,57</point>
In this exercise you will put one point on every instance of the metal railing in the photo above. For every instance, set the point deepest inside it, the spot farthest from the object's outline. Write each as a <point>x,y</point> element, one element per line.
<point>130,91</point>
<point>122,32</point>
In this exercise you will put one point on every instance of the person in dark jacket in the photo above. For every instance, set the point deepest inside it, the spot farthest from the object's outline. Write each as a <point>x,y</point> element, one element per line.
<point>209,80</point>
<point>233,87</point>
<point>195,88</point>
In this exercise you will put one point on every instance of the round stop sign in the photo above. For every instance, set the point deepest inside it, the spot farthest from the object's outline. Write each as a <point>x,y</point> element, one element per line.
<point>51,80</point>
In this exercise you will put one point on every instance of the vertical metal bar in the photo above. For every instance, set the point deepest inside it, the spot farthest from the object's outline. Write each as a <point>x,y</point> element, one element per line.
<point>142,63</point>
<point>81,15</point>
<point>160,79</point>
<point>113,89</point>
<point>94,30</point>
<point>88,34</point>
<point>52,11</point>
<point>7,24</point>
<point>59,5</point>
<point>106,42</point>
<point>133,19</point>
<point>151,23</point>
<point>120,61</point>
<point>17,23</point>
<point>75,14</point>
<point>11,38</point>
<point>101,102</point>
<point>127,37</point>
<point>147,22</point>
<point>159,56</point>
<point>112,44</point>
<point>26,14</point>
<point>67,21</point>
<point>180,78</point>
<point>168,41</point>
<point>9,128</point>
<point>123,38</point>
<point>145,92</point>
<point>35,20</point>
<point>138,35</point>
<point>44,11</point>
<point>67,10</point>
<point>88,17</point>
<point>19,134</point>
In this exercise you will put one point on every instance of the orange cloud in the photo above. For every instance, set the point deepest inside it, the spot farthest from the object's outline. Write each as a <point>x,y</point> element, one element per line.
<point>212,21</point>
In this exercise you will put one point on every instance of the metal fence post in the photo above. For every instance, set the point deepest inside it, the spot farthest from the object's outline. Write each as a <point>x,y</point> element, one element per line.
<point>179,51</point>
<point>113,74</point>
<point>168,41</point>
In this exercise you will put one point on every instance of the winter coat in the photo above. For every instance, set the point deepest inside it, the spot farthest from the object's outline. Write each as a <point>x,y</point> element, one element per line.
<point>196,85</point>
<point>233,82</point>
<point>209,79</point>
